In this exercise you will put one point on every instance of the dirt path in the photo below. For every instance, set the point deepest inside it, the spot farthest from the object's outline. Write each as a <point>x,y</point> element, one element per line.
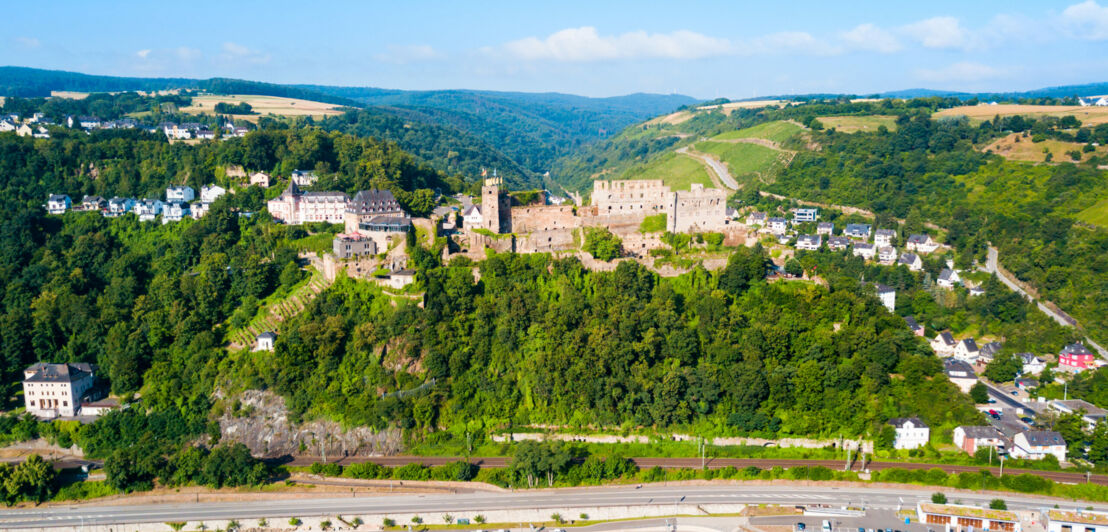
<point>721,177</point>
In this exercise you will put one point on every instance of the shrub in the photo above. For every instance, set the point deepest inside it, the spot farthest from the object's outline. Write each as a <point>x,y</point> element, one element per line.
<point>417,519</point>
<point>325,524</point>
<point>938,498</point>
<point>329,470</point>
<point>388,522</point>
<point>366,470</point>
<point>998,504</point>
<point>479,519</point>
<point>295,521</point>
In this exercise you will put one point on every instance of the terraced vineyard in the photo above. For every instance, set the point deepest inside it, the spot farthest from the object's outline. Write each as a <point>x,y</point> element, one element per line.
<point>274,312</point>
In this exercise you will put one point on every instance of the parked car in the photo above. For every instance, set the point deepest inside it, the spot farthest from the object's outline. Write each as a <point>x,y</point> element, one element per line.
<point>800,526</point>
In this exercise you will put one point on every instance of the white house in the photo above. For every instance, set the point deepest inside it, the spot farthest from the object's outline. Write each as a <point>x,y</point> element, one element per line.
<point>260,179</point>
<point>943,344</point>
<point>777,225</point>
<point>967,350</point>
<point>990,350</point>
<point>972,438</point>
<point>825,228</point>
<point>960,374</point>
<point>24,130</point>
<point>911,260</point>
<point>118,206</point>
<point>210,193</point>
<point>859,231</point>
<point>198,209</point>
<point>756,218</point>
<point>1032,365</point>
<point>304,178</point>
<point>864,250</point>
<point>58,203</point>
<point>89,122</point>
<point>887,295</point>
<point>174,211</point>
<point>148,209</point>
<point>399,279</point>
<point>1090,413</point>
<point>911,432</point>
<point>948,278</point>
<point>809,242</point>
<point>266,341</point>
<point>471,218</point>
<point>93,203</point>
<point>884,237</point>
<point>56,390</point>
<point>1079,520</point>
<point>7,125</point>
<point>179,193</point>
<point>886,255</point>
<point>1037,444</point>
<point>805,215</point>
<point>921,244</point>
<point>838,243</point>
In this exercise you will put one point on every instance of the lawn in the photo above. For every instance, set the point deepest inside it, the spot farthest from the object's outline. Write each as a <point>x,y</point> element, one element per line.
<point>677,171</point>
<point>1096,215</point>
<point>778,131</point>
<point>744,160</point>
<point>854,124</point>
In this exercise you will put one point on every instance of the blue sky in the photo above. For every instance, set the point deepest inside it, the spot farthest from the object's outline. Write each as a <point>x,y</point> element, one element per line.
<point>703,49</point>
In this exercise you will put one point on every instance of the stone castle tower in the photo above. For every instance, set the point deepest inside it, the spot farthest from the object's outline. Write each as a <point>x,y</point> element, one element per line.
<point>496,207</point>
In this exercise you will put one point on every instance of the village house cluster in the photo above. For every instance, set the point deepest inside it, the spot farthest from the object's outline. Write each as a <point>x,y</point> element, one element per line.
<point>36,126</point>
<point>179,204</point>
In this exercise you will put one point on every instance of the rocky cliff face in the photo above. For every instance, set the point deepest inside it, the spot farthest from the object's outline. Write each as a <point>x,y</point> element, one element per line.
<point>262,425</point>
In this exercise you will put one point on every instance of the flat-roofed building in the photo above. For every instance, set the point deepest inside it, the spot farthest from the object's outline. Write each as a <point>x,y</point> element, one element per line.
<point>965,518</point>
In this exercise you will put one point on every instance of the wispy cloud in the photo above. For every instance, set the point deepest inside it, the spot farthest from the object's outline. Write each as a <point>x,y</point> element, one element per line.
<point>1087,20</point>
<point>870,38</point>
<point>184,53</point>
<point>587,44</point>
<point>28,42</point>
<point>963,71</point>
<point>143,54</point>
<point>939,32</point>
<point>404,54</point>
<point>236,52</point>
<point>789,42</point>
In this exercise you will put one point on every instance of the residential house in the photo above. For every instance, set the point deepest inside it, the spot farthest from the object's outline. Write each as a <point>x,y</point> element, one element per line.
<point>943,344</point>
<point>887,295</point>
<point>198,209</point>
<point>858,231</point>
<point>174,211</point>
<point>921,244</point>
<point>777,225</point>
<point>260,179</point>
<point>911,260</point>
<point>210,193</point>
<point>864,250</point>
<point>825,228</point>
<point>58,203</point>
<point>304,178</point>
<point>265,341</point>
<point>7,125</point>
<point>346,246</point>
<point>911,432</point>
<point>180,193</point>
<point>89,122</point>
<point>93,203</point>
<point>884,237</point>
<point>990,351</point>
<point>204,134</point>
<point>56,390</point>
<point>756,218</point>
<point>971,438</point>
<point>118,206</point>
<point>1076,357</point>
<point>24,130</point>
<point>975,291</point>
<point>294,206</point>
<point>960,374</point>
<point>40,133</point>
<point>1032,365</point>
<point>1078,520</point>
<point>471,218</point>
<point>177,132</point>
<point>805,215</point>
<point>838,243</point>
<point>399,279</point>
<point>1037,444</point>
<point>784,239</point>
<point>809,242</point>
<point>914,326</point>
<point>886,255</point>
<point>948,278</point>
<point>967,350</point>
<point>148,209</point>
<point>1090,413</point>
<point>1027,384</point>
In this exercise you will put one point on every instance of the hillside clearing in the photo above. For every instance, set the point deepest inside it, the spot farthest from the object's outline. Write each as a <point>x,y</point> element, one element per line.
<point>672,119</point>
<point>1017,147</point>
<point>71,95</point>
<point>1096,215</point>
<point>778,131</point>
<point>747,162</point>
<point>263,105</point>
<point>1087,115</point>
<point>677,171</point>
<point>854,124</point>
<point>752,104</point>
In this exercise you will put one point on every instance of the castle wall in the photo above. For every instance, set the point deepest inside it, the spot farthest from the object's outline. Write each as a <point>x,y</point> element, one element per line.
<point>641,196</point>
<point>698,210</point>
<point>543,218</point>
<point>550,241</point>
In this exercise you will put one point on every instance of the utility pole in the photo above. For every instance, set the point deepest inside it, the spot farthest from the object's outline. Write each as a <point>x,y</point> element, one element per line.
<point>703,451</point>
<point>1002,466</point>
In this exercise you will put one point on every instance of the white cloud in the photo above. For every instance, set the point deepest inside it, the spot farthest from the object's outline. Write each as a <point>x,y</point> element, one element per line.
<point>964,71</point>
<point>143,54</point>
<point>586,44</point>
<point>184,53</point>
<point>403,54</point>
<point>1087,20</point>
<point>870,38</point>
<point>238,53</point>
<point>28,42</point>
<point>790,42</point>
<point>939,32</point>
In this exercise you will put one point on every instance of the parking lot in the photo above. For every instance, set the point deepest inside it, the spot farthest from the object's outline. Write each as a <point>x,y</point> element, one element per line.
<point>876,520</point>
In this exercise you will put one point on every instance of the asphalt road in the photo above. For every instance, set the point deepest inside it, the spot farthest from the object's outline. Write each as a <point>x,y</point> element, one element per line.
<point>714,166</point>
<point>461,504</point>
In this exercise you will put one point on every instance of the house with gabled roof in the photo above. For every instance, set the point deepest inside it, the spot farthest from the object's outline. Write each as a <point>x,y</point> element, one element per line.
<point>943,344</point>
<point>777,225</point>
<point>809,242</point>
<point>948,278</point>
<point>857,231</point>
<point>967,350</point>
<point>911,260</point>
<point>921,243</point>
<point>56,390</point>
<point>1038,444</point>
<point>884,237</point>
<point>756,218</point>
<point>886,255</point>
<point>838,243</point>
<point>914,325</point>
<point>1076,357</point>
<point>58,203</point>
<point>973,437</point>
<point>864,250</point>
<point>960,374</point>
<point>1032,365</point>
<point>825,228</point>
<point>911,432</point>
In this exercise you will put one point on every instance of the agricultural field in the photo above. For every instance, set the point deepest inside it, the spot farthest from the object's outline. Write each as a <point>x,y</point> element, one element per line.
<point>751,104</point>
<point>69,95</point>
<point>263,105</point>
<point>747,162</point>
<point>676,170</point>
<point>1088,116</point>
<point>854,124</point>
<point>1017,147</point>
<point>778,131</point>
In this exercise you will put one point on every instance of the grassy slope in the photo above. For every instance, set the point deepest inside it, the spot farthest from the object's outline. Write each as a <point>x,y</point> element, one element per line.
<point>1096,215</point>
<point>743,159</point>
<point>675,170</point>
<point>853,124</point>
<point>778,131</point>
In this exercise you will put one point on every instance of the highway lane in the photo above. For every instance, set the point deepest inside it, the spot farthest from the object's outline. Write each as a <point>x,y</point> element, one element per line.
<point>870,497</point>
